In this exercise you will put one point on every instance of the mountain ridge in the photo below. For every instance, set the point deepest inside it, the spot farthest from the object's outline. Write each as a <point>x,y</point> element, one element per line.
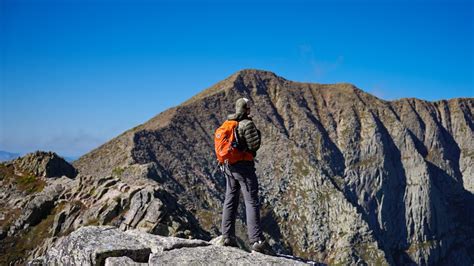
<point>359,146</point>
<point>164,118</point>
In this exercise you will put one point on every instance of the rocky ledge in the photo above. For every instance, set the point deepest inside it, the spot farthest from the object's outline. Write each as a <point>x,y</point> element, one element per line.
<point>108,245</point>
<point>45,164</point>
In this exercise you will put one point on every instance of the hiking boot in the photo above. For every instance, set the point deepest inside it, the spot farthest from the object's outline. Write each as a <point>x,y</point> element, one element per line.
<point>262,246</point>
<point>229,242</point>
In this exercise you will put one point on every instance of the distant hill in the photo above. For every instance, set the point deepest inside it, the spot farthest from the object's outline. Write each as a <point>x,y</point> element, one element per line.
<point>7,156</point>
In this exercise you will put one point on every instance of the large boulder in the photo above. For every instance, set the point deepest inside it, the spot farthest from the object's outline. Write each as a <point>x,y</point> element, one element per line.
<point>99,245</point>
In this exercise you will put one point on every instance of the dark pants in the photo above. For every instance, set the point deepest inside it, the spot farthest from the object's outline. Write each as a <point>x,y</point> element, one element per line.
<point>241,176</point>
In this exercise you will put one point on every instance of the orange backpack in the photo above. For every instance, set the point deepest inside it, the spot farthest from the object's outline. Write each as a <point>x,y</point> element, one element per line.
<point>225,144</point>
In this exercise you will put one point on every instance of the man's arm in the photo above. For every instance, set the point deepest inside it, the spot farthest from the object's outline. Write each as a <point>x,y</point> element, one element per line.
<point>252,136</point>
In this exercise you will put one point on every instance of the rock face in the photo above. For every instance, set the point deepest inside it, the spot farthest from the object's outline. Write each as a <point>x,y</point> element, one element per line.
<point>30,193</point>
<point>45,164</point>
<point>99,245</point>
<point>346,178</point>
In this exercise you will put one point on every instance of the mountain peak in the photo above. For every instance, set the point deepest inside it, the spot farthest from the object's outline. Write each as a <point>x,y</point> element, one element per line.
<point>237,81</point>
<point>254,73</point>
<point>248,81</point>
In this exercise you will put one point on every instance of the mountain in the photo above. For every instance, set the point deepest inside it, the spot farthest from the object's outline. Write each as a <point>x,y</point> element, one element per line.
<point>345,177</point>
<point>343,173</point>
<point>7,156</point>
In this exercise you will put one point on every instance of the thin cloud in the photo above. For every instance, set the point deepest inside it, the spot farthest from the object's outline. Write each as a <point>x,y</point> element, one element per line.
<point>319,67</point>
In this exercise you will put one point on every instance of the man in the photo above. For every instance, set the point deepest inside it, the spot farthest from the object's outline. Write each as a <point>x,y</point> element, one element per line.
<point>240,176</point>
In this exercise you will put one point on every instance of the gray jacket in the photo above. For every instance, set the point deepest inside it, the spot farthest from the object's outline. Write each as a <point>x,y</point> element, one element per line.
<point>248,135</point>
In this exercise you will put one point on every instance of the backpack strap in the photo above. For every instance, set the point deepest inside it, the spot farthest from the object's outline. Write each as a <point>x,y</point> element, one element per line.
<point>236,135</point>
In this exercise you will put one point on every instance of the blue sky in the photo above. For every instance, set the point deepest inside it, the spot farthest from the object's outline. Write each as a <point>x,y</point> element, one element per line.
<point>74,74</point>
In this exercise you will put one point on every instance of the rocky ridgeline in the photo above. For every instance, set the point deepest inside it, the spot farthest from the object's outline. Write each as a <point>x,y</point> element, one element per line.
<point>32,220</point>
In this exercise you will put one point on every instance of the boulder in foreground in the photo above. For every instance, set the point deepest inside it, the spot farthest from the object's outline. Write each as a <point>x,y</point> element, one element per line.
<point>99,245</point>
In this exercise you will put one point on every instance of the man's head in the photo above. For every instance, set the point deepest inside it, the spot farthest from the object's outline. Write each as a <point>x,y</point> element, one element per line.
<point>242,106</point>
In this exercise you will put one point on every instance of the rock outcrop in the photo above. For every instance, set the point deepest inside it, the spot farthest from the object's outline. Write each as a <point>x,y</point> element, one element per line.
<point>34,218</point>
<point>30,193</point>
<point>99,245</point>
<point>45,164</point>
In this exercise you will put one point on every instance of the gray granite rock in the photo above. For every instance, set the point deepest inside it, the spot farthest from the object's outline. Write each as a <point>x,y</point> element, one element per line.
<point>122,261</point>
<point>92,245</point>
<point>95,245</point>
<point>215,255</point>
<point>45,164</point>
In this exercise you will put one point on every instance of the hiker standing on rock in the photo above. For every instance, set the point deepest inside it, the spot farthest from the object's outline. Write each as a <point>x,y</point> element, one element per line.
<point>236,144</point>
